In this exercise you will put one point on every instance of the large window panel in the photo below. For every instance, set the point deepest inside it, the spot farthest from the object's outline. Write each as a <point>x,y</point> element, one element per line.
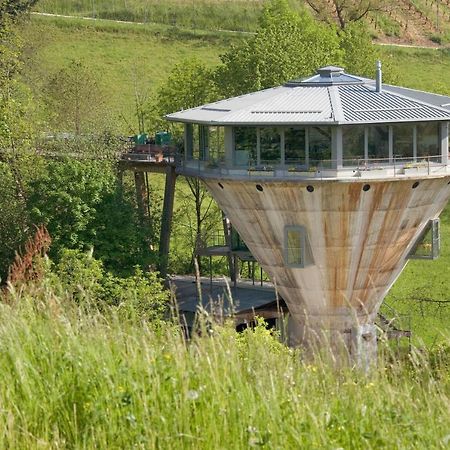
<point>216,144</point>
<point>353,144</point>
<point>428,142</point>
<point>378,140</point>
<point>270,141</point>
<point>244,145</point>
<point>319,144</point>
<point>403,138</point>
<point>295,145</point>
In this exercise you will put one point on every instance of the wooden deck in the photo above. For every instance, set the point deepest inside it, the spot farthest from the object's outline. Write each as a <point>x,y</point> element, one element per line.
<point>220,299</point>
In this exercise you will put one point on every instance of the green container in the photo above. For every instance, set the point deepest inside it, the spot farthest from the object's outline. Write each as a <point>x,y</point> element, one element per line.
<point>163,138</point>
<point>140,139</point>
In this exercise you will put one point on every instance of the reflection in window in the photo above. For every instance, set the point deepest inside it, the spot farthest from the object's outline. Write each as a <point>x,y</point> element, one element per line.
<point>294,144</point>
<point>403,140</point>
<point>353,144</point>
<point>319,144</point>
<point>295,246</point>
<point>428,139</point>
<point>216,144</point>
<point>270,145</point>
<point>200,142</point>
<point>378,140</point>
<point>244,145</point>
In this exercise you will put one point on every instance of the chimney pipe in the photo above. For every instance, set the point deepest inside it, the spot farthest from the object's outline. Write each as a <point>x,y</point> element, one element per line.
<point>379,79</point>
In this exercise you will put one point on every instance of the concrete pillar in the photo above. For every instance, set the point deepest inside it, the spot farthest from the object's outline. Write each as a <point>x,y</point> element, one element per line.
<point>335,339</point>
<point>229,146</point>
<point>336,147</point>
<point>444,142</point>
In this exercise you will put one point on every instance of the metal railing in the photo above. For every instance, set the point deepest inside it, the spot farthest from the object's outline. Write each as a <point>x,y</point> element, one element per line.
<point>152,153</point>
<point>327,168</point>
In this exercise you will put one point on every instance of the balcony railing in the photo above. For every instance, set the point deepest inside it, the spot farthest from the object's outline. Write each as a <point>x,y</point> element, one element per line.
<point>358,167</point>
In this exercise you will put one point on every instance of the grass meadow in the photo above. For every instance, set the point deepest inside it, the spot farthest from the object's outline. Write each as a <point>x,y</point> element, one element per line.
<point>75,378</point>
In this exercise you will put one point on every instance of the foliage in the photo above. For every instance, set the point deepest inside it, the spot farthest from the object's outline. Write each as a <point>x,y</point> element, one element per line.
<point>12,9</point>
<point>25,267</point>
<point>83,207</point>
<point>75,100</point>
<point>360,54</point>
<point>346,12</point>
<point>12,220</point>
<point>86,380</point>
<point>84,280</point>
<point>287,45</point>
<point>65,198</point>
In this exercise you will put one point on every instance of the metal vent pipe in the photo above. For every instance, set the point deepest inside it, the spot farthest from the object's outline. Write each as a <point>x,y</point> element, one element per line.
<point>379,78</point>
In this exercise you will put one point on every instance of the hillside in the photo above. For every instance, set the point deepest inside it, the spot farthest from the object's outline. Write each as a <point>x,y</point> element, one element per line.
<point>425,22</point>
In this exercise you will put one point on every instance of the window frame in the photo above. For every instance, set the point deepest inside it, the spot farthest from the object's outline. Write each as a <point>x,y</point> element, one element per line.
<point>302,232</point>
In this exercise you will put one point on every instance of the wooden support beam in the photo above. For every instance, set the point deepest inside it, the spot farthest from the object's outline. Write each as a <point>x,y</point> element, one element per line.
<point>227,234</point>
<point>166,220</point>
<point>142,200</point>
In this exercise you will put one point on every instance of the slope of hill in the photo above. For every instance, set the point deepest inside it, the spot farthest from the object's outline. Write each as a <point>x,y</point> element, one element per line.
<point>412,21</point>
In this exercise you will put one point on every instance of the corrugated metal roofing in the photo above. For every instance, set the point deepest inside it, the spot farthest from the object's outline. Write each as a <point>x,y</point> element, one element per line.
<point>322,99</point>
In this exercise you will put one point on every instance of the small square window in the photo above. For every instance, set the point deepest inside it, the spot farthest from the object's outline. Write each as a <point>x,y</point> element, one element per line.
<point>429,243</point>
<point>294,245</point>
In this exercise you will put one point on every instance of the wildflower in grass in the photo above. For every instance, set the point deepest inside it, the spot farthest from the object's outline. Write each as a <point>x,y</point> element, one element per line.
<point>192,395</point>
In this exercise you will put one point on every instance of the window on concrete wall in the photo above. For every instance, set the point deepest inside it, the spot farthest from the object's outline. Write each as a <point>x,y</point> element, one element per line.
<point>429,243</point>
<point>319,145</point>
<point>428,139</point>
<point>294,246</point>
<point>353,144</point>
<point>270,142</point>
<point>378,141</point>
<point>295,145</point>
<point>403,139</point>
<point>244,145</point>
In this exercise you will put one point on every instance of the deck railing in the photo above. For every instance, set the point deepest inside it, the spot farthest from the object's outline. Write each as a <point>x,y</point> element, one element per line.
<point>356,167</point>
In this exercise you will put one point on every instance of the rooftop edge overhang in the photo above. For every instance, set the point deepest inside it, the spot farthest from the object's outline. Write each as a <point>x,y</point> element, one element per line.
<point>331,97</point>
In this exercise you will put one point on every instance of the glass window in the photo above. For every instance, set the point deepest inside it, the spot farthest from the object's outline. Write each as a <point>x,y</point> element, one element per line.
<point>244,145</point>
<point>200,147</point>
<point>378,137</point>
<point>403,140</point>
<point>353,144</point>
<point>270,145</point>
<point>294,145</point>
<point>216,144</point>
<point>428,139</point>
<point>319,144</point>
<point>429,243</point>
<point>295,246</point>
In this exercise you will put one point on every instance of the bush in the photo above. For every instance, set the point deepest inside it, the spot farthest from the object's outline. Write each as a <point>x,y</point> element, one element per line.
<point>82,278</point>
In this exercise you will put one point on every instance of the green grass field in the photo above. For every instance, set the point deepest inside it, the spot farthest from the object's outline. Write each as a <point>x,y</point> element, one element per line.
<point>123,56</point>
<point>81,380</point>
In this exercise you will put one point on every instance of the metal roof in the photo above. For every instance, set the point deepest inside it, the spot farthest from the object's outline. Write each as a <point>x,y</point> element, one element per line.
<point>330,97</point>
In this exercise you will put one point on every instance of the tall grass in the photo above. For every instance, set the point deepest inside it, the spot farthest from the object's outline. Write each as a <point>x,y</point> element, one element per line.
<point>78,379</point>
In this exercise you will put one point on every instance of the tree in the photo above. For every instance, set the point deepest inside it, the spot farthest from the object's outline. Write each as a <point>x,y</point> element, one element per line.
<point>12,9</point>
<point>76,101</point>
<point>360,55</point>
<point>344,12</point>
<point>287,45</point>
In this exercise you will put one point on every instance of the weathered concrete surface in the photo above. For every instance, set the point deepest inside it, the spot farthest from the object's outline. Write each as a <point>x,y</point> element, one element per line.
<point>357,242</point>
